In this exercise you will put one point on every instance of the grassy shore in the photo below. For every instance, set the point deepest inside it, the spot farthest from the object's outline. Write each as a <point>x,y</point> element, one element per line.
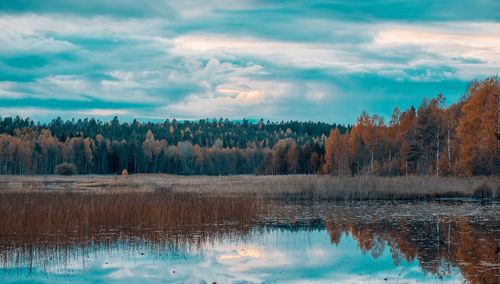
<point>276,187</point>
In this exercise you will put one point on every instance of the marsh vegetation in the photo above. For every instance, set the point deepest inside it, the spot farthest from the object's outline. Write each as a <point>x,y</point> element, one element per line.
<point>276,187</point>
<point>51,230</point>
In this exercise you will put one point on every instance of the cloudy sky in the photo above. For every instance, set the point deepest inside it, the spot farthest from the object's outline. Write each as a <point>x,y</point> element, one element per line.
<point>279,60</point>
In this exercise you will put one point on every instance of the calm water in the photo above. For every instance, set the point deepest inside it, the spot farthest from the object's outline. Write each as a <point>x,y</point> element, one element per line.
<point>313,242</point>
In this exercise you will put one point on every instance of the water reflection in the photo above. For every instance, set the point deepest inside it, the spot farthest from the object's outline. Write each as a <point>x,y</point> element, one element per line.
<point>193,238</point>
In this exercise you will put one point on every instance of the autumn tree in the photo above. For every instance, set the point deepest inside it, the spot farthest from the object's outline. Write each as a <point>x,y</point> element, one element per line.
<point>430,131</point>
<point>337,160</point>
<point>292,158</point>
<point>394,140</point>
<point>478,153</point>
<point>372,129</point>
<point>409,151</point>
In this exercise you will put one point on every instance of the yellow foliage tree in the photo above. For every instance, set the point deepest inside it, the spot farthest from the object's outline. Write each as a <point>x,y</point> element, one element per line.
<point>478,153</point>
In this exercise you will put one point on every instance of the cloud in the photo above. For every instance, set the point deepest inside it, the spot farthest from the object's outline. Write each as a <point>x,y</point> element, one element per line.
<point>393,47</point>
<point>238,97</point>
<point>448,47</point>
<point>123,8</point>
<point>343,9</point>
<point>469,60</point>
<point>307,61</point>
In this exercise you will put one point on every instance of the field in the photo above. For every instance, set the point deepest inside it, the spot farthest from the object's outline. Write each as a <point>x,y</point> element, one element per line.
<point>275,187</point>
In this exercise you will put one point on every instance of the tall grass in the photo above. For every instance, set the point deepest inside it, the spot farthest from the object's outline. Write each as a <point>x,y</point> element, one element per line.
<point>277,187</point>
<point>43,227</point>
<point>55,212</point>
<point>34,221</point>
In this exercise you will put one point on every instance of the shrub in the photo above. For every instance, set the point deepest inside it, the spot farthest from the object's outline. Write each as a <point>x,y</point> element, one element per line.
<point>66,169</point>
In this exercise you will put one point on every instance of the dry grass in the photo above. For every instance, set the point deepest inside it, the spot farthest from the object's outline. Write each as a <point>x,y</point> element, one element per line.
<point>34,213</point>
<point>43,227</point>
<point>48,223</point>
<point>280,187</point>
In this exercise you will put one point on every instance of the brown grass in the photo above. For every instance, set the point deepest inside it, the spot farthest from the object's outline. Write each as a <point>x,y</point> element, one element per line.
<point>55,212</point>
<point>276,187</point>
<point>33,223</point>
<point>43,227</point>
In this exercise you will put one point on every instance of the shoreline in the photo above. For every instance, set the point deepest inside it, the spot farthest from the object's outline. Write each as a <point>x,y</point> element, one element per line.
<point>275,187</point>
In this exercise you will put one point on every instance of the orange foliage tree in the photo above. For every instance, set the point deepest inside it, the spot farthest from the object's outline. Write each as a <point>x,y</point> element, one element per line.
<point>478,153</point>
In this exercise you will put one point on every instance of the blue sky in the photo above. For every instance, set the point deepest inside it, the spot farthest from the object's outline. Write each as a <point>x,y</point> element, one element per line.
<point>279,60</point>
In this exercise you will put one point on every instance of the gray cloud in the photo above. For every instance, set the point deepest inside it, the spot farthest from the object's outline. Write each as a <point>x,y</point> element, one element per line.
<point>122,8</point>
<point>469,60</point>
<point>247,11</point>
<point>305,60</point>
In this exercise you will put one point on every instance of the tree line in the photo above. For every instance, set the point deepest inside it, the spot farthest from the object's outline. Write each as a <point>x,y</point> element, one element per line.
<point>459,139</point>
<point>211,147</point>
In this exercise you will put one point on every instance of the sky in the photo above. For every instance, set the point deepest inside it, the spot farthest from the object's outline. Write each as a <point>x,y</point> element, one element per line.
<point>278,60</point>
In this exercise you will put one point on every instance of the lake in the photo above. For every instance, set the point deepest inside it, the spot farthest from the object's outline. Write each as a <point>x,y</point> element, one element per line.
<point>206,240</point>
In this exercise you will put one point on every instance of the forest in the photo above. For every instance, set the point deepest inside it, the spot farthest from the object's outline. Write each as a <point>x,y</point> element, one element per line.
<point>434,139</point>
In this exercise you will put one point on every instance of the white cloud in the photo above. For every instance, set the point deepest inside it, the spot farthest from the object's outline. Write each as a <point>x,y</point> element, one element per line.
<point>237,97</point>
<point>184,69</point>
<point>467,40</point>
<point>443,42</point>
<point>5,93</point>
<point>32,25</point>
<point>104,112</point>
<point>290,54</point>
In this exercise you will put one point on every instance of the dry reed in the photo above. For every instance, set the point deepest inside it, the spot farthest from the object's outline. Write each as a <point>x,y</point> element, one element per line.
<point>30,221</point>
<point>280,187</point>
<point>38,227</point>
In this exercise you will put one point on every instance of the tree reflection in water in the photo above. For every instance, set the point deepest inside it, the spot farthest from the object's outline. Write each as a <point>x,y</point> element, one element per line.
<point>438,240</point>
<point>40,229</point>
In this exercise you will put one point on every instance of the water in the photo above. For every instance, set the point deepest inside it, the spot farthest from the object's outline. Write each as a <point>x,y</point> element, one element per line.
<point>305,242</point>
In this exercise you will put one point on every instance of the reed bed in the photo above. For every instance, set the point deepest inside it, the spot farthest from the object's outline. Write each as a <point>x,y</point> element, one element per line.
<point>276,187</point>
<point>38,213</point>
<point>40,228</point>
<point>44,226</point>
